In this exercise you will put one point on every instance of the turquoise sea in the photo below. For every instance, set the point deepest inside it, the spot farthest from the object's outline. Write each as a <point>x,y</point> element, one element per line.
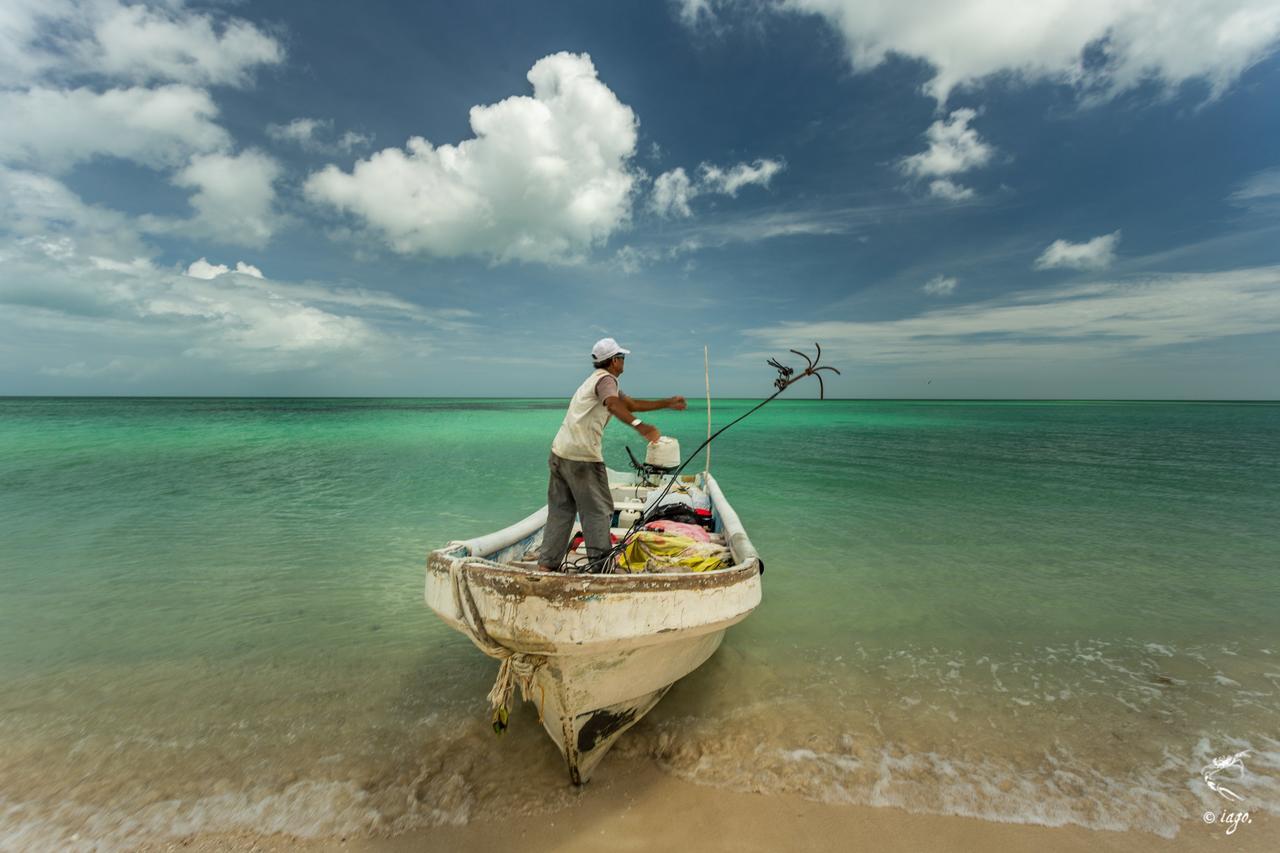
<point>211,613</point>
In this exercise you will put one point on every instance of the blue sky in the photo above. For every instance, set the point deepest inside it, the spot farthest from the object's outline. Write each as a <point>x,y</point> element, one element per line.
<point>958,199</point>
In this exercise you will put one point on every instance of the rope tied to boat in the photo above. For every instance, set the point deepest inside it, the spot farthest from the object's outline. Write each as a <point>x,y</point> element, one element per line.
<point>516,668</point>
<point>513,668</point>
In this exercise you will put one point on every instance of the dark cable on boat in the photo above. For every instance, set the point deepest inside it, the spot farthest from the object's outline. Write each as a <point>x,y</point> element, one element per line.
<point>787,377</point>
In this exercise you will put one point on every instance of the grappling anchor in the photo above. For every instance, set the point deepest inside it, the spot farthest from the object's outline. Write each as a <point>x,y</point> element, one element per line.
<point>787,375</point>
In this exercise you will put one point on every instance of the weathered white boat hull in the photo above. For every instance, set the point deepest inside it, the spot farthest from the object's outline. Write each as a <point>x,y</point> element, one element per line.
<point>604,648</point>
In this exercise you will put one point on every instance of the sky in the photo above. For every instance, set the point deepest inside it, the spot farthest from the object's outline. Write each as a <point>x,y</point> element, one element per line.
<point>955,198</point>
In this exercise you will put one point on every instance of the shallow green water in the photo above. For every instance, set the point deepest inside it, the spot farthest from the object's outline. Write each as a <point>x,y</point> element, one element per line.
<point>212,614</point>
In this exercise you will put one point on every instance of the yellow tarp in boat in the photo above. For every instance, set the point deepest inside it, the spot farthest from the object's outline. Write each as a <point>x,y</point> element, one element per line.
<point>655,551</point>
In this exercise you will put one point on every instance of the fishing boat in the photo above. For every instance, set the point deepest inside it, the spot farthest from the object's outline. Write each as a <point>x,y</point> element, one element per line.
<point>594,652</point>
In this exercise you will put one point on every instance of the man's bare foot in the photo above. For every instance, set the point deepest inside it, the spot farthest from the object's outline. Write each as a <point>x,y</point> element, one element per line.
<point>548,568</point>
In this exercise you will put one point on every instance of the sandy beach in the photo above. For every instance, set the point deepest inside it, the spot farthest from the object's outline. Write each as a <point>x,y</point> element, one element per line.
<point>638,807</point>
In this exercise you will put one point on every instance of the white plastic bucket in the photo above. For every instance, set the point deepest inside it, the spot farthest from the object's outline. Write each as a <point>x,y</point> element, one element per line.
<point>665,452</point>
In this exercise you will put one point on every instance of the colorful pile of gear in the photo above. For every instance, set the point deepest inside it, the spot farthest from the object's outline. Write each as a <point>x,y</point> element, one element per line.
<point>662,551</point>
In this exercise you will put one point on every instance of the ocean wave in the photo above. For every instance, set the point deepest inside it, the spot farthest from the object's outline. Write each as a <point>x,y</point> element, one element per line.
<point>1101,734</point>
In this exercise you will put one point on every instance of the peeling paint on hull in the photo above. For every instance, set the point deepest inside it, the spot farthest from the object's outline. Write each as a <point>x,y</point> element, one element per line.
<point>613,644</point>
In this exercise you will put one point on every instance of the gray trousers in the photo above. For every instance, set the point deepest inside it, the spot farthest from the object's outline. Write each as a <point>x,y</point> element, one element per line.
<point>582,489</point>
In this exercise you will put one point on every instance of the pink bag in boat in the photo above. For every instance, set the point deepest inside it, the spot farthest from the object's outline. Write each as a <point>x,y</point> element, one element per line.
<point>693,531</point>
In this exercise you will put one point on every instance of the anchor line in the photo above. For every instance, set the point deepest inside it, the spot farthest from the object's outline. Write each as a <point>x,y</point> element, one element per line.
<point>787,376</point>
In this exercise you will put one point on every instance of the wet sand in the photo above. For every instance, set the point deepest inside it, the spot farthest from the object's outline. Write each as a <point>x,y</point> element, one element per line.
<point>637,807</point>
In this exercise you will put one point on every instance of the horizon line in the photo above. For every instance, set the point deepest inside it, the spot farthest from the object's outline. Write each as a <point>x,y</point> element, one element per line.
<point>561,397</point>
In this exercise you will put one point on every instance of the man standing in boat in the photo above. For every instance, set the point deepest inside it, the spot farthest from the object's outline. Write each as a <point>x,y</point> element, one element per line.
<point>579,483</point>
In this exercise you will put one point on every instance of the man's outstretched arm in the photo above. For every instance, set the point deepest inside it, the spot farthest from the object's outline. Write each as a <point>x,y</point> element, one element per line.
<point>618,407</point>
<point>634,405</point>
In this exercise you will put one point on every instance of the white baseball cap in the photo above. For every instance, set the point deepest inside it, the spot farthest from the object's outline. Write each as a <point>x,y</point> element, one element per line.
<point>607,348</point>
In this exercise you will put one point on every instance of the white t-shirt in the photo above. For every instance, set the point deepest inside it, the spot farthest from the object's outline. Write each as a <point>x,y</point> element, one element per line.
<point>581,431</point>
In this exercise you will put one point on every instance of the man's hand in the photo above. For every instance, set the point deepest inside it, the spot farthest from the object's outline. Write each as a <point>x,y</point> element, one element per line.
<point>676,403</point>
<point>650,432</point>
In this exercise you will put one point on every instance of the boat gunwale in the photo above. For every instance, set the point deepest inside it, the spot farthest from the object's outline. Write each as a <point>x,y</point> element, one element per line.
<point>521,579</point>
<point>562,584</point>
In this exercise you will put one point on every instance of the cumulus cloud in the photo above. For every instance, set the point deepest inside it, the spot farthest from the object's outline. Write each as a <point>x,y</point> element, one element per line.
<point>142,43</point>
<point>205,270</point>
<point>954,147</point>
<point>50,126</point>
<point>1100,319</point>
<point>1102,47</point>
<point>545,177</point>
<point>673,190</point>
<point>940,285</point>
<point>1095,254</point>
<point>138,43</point>
<point>949,190</point>
<point>234,199</point>
<point>54,129</point>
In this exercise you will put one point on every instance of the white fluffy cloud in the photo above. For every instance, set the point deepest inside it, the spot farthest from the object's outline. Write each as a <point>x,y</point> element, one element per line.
<point>1095,254</point>
<point>1086,321</point>
<point>544,178</point>
<point>139,42</point>
<point>729,181</point>
<point>966,41</point>
<point>673,190</point>
<point>945,188</point>
<point>53,129</point>
<point>954,147</point>
<point>205,270</point>
<point>234,199</point>
<point>171,43</point>
<point>940,285</point>
<point>301,131</point>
